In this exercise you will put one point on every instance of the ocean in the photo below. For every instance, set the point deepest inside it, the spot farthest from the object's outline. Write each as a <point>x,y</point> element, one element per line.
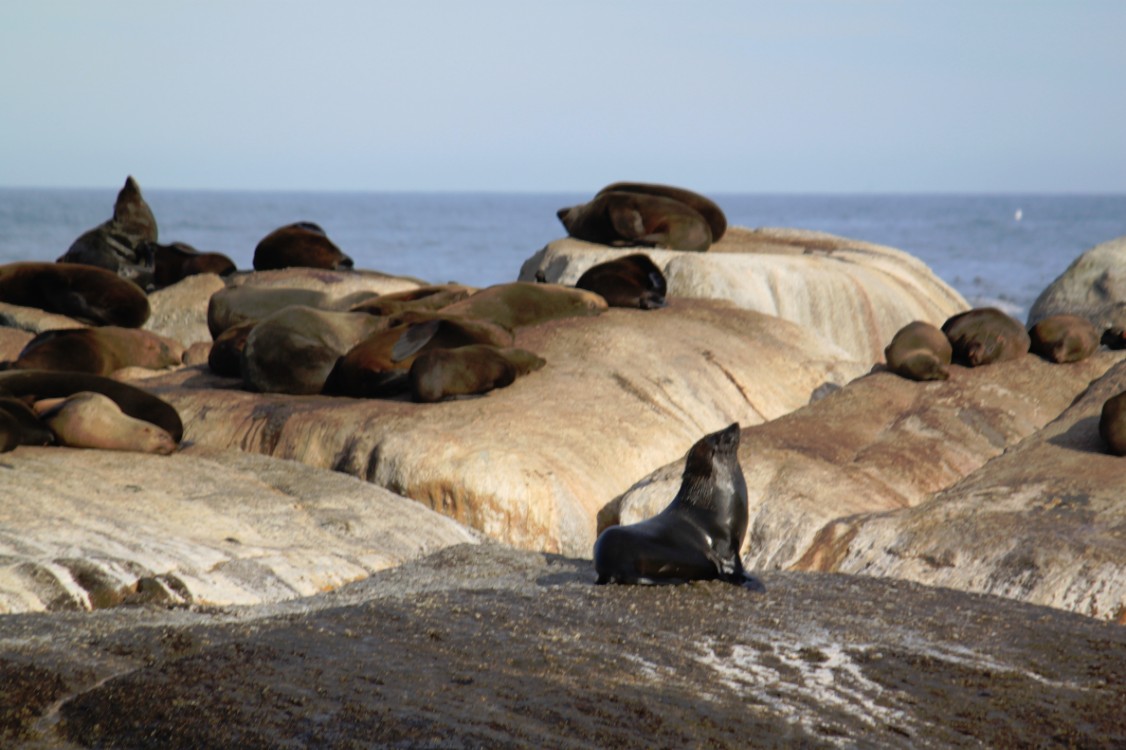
<point>995,249</point>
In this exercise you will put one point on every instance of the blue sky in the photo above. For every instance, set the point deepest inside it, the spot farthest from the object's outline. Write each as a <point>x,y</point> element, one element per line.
<point>720,96</point>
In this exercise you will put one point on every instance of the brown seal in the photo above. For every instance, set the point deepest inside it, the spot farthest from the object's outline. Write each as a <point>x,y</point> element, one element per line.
<point>622,219</point>
<point>225,356</point>
<point>19,425</point>
<point>175,262</point>
<point>1112,424</point>
<point>441,374</point>
<point>92,420</point>
<point>36,385</point>
<point>712,213</point>
<point>919,351</point>
<point>985,335</point>
<point>101,351</point>
<point>630,281</point>
<point>431,297</point>
<point>301,244</point>
<point>245,304</point>
<point>82,292</point>
<point>698,536</point>
<point>526,303</point>
<point>120,244</point>
<point>1064,338</point>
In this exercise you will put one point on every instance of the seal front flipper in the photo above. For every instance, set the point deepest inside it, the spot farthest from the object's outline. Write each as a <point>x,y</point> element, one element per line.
<point>413,339</point>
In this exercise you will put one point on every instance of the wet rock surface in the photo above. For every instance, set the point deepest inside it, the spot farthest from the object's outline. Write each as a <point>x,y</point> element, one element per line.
<point>483,646</point>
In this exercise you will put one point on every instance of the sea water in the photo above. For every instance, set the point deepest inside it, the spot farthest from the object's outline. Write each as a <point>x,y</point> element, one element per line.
<point>995,249</point>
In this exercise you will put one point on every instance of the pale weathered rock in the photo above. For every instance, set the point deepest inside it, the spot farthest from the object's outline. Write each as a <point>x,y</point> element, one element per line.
<point>82,529</point>
<point>1092,286</point>
<point>482,646</point>
<point>882,442</point>
<point>34,320</point>
<point>1044,523</point>
<point>179,311</point>
<point>531,464</point>
<point>855,294</point>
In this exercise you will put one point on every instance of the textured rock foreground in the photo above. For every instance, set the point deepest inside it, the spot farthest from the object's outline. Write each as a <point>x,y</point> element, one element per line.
<point>481,646</point>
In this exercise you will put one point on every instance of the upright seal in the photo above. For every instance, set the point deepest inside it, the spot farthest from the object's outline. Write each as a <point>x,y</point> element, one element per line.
<point>698,536</point>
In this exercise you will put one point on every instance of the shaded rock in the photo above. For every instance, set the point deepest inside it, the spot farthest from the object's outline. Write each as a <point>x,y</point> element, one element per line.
<point>854,294</point>
<point>179,311</point>
<point>1092,286</point>
<point>879,443</point>
<point>80,528</point>
<point>621,394</point>
<point>1043,523</point>
<point>485,647</point>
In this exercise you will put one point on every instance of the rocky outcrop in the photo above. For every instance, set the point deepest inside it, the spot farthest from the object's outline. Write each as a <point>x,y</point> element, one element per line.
<point>531,464</point>
<point>1043,523</point>
<point>1093,286</point>
<point>879,444</point>
<point>854,294</point>
<point>482,646</point>
<point>84,529</point>
<point>33,320</point>
<point>179,311</point>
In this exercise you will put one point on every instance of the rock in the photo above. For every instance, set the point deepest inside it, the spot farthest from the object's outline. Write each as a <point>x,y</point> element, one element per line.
<point>880,443</point>
<point>12,342</point>
<point>80,528</point>
<point>621,394</point>
<point>854,294</point>
<point>335,284</point>
<point>179,311</point>
<point>1043,523</point>
<point>33,320</point>
<point>1091,286</point>
<point>481,646</point>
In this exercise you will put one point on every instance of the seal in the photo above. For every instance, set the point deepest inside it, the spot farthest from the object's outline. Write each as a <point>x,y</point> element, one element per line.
<point>1112,424</point>
<point>245,304</point>
<point>225,355</point>
<point>86,293</point>
<point>527,303</point>
<point>712,213</point>
<point>19,425</point>
<point>120,244</point>
<point>622,219</point>
<point>698,536</point>
<point>431,297</point>
<point>92,420</point>
<point>442,374</point>
<point>37,385</point>
<point>919,351</point>
<point>630,281</point>
<point>301,244</point>
<point>985,335</point>
<point>101,351</point>
<point>1064,338</point>
<point>176,262</point>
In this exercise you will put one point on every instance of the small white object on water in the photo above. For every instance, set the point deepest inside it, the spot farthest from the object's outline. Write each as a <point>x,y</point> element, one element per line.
<point>1018,215</point>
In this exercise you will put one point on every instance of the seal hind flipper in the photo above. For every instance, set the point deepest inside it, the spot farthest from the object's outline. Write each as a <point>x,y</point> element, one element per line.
<point>414,338</point>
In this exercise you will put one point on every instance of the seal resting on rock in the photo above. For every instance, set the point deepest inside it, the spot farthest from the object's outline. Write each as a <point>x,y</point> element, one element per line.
<point>919,351</point>
<point>623,219</point>
<point>527,303</point>
<point>1064,338</point>
<point>712,213</point>
<point>985,335</point>
<point>101,351</point>
<point>91,420</point>
<point>630,281</point>
<point>175,262</point>
<point>432,297</point>
<point>1112,424</point>
<point>698,536</point>
<point>441,374</point>
<point>87,293</point>
<point>120,244</point>
<point>301,244</point>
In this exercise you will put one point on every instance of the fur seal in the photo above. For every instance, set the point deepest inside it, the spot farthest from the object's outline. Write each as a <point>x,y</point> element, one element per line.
<point>245,304</point>
<point>19,425</point>
<point>175,262</point>
<point>441,374</point>
<point>1064,338</point>
<point>43,384</point>
<point>698,536</point>
<point>622,219</point>
<point>1112,424</point>
<point>431,297</point>
<point>630,281</point>
<point>712,213</point>
<point>225,356</point>
<point>301,244</point>
<point>527,303</point>
<point>919,351</point>
<point>985,335</point>
<point>120,244</point>
<point>101,351</point>
<point>92,420</point>
<point>87,293</point>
